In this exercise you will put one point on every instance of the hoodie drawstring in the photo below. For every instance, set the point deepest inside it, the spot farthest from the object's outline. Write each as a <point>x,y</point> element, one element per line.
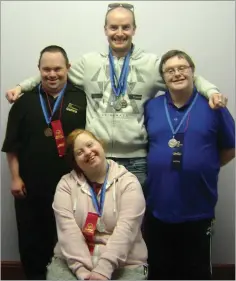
<point>114,195</point>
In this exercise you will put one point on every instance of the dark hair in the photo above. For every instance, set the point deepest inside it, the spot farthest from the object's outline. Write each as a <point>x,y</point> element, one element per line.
<point>175,53</point>
<point>124,7</point>
<point>70,144</point>
<point>54,49</point>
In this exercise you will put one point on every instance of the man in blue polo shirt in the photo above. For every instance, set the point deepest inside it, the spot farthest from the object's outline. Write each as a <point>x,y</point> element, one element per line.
<point>184,159</point>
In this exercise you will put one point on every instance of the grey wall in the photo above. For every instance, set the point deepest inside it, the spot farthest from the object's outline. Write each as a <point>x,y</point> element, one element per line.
<point>206,30</point>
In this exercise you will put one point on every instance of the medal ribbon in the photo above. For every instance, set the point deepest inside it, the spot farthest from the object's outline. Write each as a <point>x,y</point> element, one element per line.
<point>89,230</point>
<point>184,117</point>
<point>99,205</point>
<point>55,107</point>
<point>122,82</point>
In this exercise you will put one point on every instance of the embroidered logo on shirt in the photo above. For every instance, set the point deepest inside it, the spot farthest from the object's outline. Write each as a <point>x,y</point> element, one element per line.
<point>72,108</point>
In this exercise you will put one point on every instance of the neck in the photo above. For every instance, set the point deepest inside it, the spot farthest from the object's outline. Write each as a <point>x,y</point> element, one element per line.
<point>120,54</point>
<point>97,175</point>
<point>52,92</point>
<point>180,98</point>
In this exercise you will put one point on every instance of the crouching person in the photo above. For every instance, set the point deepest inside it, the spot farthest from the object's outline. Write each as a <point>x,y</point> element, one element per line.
<point>99,208</point>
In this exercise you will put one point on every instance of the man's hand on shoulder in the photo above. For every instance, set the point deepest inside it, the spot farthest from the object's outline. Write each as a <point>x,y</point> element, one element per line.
<point>217,100</point>
<point>13,94</point>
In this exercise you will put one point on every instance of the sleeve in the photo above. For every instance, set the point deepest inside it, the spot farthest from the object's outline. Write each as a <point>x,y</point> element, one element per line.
<point>205,87</point>
<point>159,82</point>
<point>70,237</point>
<point>146,111</point>
<point>76,73</point>
<point>128,225</point>
<point>12,141</point>
<point>226,129</point>
<point>30,83</point>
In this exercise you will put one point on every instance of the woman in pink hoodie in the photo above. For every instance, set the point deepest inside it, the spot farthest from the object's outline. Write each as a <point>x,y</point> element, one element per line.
<point>99,208</point>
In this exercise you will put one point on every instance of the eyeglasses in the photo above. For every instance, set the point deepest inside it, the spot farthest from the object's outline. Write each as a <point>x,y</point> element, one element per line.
<point>181,69</point>
<point>124,5</point>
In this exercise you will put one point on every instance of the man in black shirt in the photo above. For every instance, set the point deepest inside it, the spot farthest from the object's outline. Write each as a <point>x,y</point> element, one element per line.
<point>38,124</point>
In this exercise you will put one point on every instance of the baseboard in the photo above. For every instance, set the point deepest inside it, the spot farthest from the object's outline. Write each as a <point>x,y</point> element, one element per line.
<point>12,270</point>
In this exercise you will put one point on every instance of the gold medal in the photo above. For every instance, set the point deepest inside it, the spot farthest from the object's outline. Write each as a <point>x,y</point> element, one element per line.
<point>48,132</point>
<point>172,142</point>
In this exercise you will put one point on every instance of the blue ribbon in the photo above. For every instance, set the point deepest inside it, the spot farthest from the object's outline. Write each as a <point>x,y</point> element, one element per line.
<point>99,206</point>
<point>184,117</point>
<point>55,107</point>
<point>122,82</point>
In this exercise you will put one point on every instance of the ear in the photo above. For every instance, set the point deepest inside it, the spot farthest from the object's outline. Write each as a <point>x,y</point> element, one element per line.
<point>68,66</point>
<point>105,30</point>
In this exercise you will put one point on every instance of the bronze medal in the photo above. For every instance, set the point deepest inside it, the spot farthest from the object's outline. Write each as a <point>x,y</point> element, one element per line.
<point>48,132</point>
<point>124,103</point>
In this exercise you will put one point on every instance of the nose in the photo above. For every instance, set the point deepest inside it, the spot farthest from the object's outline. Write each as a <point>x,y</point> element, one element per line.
<point>87,151</point>
<point>119,31</point>
<point>52,73</point>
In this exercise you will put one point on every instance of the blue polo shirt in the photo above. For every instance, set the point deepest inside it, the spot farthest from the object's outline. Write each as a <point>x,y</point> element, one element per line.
<point>188,193</point>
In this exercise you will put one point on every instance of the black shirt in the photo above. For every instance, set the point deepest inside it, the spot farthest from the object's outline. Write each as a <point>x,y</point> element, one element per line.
<point>40,165</point>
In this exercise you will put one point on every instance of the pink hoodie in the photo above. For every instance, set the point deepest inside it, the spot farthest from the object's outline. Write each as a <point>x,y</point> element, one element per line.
<point>121,244</point>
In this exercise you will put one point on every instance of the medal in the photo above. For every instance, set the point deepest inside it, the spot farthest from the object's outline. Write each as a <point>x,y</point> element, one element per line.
<point>119,84</point>
<point>100,226</point>
<point>48,132</point>
<point>117,106</point>
<point>172,142</point>
<point>124,103</point>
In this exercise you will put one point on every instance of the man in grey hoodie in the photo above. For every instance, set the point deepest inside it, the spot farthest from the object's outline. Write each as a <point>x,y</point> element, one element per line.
<point>117,84</point>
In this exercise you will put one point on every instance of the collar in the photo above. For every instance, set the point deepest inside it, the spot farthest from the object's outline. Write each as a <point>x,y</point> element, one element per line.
<point>50,96</point>
<point>189,101</point>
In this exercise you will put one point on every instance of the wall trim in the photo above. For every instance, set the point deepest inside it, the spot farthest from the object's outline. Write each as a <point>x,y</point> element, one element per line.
<point>12,270</point>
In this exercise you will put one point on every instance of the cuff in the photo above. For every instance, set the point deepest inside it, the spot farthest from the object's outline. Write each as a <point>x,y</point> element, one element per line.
<point>212,91</point>
<point>81,272</point>
<point>104,267</point>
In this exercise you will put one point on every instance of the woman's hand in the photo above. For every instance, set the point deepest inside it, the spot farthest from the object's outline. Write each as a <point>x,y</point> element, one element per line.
<point>97,276</point>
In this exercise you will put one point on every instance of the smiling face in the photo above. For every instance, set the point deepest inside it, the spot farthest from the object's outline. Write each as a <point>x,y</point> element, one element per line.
<point>178,74</point>
<point>53,70</point>
<point>120,29</point>
<point>88,153</point>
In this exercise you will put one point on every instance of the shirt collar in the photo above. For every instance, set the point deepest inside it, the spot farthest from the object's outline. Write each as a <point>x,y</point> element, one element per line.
<point>189,101</point>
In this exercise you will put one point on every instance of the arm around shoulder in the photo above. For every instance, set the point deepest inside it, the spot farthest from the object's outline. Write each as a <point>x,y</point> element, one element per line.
<point>205,87</point>
<point>29,84</point>
<point>76,72</point>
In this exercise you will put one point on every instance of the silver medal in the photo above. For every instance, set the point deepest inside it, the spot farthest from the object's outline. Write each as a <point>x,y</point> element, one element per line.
<point>124,103</point>
<point>117,105</point>
<point>172,143</point>
<point>100,226</point>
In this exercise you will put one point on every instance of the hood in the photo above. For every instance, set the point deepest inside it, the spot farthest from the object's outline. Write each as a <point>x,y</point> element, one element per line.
<point>137,53</point>
<point>116,171</point>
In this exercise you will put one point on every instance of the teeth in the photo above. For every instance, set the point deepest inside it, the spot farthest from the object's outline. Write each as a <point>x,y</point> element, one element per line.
<point>91,158</point>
